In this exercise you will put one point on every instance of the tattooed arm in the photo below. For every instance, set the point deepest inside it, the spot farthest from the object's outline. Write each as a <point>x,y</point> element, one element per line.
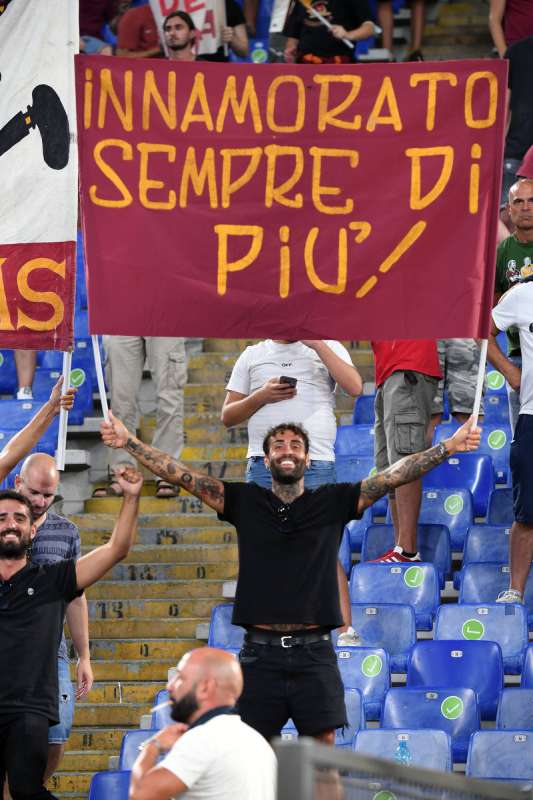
<point>209,490</point>
<point>414,466</point>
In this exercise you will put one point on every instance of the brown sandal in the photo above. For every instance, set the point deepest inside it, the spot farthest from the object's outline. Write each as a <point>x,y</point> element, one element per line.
<point>166,489</point>
<point>108,491</point>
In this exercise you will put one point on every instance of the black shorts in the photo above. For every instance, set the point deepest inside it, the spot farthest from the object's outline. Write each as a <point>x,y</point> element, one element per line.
<point>522,469</point>
<point>302,683</point>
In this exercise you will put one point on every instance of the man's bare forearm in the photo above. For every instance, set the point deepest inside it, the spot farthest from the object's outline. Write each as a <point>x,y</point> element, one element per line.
<point>404,471</point>
<point>209,490</point>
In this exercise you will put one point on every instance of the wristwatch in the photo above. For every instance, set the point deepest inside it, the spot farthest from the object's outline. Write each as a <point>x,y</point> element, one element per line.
<point>153,740</point>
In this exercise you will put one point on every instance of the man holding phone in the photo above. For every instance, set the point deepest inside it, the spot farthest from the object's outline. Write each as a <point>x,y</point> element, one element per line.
<point>278,380</point>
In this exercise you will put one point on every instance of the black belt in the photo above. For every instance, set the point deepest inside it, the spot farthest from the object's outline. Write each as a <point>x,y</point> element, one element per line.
<point>285,640</point>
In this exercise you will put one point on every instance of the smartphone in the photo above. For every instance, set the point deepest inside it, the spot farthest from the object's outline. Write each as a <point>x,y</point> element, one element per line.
<point>286,379</point>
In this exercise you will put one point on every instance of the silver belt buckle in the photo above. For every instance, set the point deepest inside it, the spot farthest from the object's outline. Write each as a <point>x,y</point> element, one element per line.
<point>283,641</point>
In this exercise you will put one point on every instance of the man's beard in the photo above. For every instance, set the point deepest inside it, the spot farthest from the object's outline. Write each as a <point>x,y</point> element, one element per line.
<point>183,709</point>
<point>177,47</point>
<point>12,550</point>
<point>286,478</point>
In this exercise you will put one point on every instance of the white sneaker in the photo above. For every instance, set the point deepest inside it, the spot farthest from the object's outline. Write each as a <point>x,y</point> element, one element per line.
<point>25,393</point>
<point>349,638</point>
<point>510,596</point>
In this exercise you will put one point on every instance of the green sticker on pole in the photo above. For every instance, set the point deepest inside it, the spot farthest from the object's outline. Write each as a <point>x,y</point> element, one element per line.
<point>413,577</point>
<point>371,666</point>
<point>497,439</point>
<point>452,707</point>
<point>453,504</point>
<point>384,795</point>
<point>473,629</point>
<point>77,378</point>
<point>495,380</point>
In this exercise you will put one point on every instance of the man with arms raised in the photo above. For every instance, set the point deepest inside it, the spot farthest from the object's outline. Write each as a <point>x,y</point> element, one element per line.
<point>287,596</point>
<point>32,608</point>
<point>210,752</point>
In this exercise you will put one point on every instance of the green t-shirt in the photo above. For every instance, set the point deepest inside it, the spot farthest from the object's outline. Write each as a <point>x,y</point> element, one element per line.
<point>514,260</point>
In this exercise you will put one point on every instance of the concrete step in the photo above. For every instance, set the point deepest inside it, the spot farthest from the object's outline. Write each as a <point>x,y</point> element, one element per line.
<point>184,504</point>
<point>106,521</point>
<point>161,572</point>
<point>135,628</point>
<point>157,589</point>
<point>208,397</point>
<point>79,761</point>
<point>70,783</point>
<point>98,739</point>
<point>150,609</point>
<point>125,693</point>
<point>148,648</point>
<point>179,553</point>
<point>131,670</point>
<point>238,345</point>
<point>122,715</point>
<point>156,537</point>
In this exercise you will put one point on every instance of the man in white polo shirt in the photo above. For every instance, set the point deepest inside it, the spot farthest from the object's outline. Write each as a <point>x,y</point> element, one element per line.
<point>516,308</point>
<point>210,753</point>
<point>277,381</point>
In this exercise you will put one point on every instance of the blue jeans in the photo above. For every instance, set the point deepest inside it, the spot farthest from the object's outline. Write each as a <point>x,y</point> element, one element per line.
<point>317,473</point>
<point>58,734</point>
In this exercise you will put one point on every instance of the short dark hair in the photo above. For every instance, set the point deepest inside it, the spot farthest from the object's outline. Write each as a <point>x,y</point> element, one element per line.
<point>188,20</point>
<point>281,428</point>
<point>11,494</point>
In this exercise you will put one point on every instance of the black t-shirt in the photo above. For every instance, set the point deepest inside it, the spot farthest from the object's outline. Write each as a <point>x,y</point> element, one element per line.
<point>234,17</point>
<point>520,134</point>
<point>32,609</point>
<point>313,36</point>
<point>288,553</point>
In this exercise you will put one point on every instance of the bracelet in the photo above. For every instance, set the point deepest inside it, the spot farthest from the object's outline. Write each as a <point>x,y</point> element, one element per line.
<point>153,740</point>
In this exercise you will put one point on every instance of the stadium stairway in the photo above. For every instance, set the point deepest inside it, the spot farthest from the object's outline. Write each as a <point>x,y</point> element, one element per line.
<point>149,609</point>
<point>457,30</point>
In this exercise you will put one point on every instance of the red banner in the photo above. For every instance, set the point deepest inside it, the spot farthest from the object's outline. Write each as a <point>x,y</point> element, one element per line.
<point>290,202</point>
<point>37,295</point>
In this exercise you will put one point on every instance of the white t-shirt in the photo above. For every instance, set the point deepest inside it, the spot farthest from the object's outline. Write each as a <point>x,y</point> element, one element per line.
<point>516,308</point>
<point>224,759</point>
<point>314,404</point>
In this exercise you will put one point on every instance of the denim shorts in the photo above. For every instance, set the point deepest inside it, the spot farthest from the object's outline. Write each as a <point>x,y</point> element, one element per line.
<point>316,474</point>
<point>522,469</point>
<point>58,734</point>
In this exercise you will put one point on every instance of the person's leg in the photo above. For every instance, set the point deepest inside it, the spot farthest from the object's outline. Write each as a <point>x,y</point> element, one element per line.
<point>250,8</point>
<point>520,555</point>
<point>417,29</point>
<point>58,734</point>
<point>386,22</point>
<point>381,457</point>
<point>25,362</point>
<point>26,751</point>
<point>125,357</point>
<point>263,702</point>
<point>462,371</point>
<point>168,365</point>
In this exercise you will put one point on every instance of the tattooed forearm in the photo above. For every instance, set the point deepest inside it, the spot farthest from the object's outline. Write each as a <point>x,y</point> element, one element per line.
<point>406,470</point>
<point>209,490</point>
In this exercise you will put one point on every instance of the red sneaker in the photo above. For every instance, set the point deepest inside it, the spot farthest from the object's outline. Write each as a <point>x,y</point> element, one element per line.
<point>395,556</point>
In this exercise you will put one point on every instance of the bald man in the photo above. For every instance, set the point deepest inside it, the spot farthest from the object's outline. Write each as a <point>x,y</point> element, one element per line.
<point>208,752</point>
<point>58,539</point>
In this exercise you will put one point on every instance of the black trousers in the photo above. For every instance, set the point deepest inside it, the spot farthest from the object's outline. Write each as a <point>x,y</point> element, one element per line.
<point>23,755</point>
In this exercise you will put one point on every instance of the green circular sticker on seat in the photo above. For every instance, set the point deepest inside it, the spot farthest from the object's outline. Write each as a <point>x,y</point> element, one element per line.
<point>453,504</point>
<point>1,359</point>
<point>371,666</point>
<point>452,707</point>
<point>384,795</point>
<point>259,55</point>
<point>473,629</point>
<point>77,377</point>
<point>413,577</point>
<point>497,439</point>
<point>495,379</point>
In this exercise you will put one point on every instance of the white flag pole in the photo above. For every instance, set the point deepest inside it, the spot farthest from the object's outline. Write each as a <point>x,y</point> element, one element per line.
<point>100,377</point>
<point>480,380</point>
<point>63,414</point>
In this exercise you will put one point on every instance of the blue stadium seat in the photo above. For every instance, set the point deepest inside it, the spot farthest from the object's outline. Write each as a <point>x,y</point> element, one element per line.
<point>129,749</point>
<point>428,748</point>
<point>433,545</point>
<point>222,632</point>
<point>161,717</point>
<point>484,544</point>
<point>44,381</point>
<point>527,669</point>
<point>81,324</point>
<point>356,530</point>
<point>465,471</point>
<point>482,583</point>
<point>505,623</point>
<point>354,468</point>
<point>515,709</point>
<point>496,409</point>
<point>81,285</point>
<point>495,442</point>
<point>387,625</point>
<point>8,372</point>
<point>505,755</point>
<point>17,413</point>
<point>111,785</point>
<point>355,713</point>
<point>476,665</point>
<point>345,554</point>
<point>414,584</point>
<point>500,510</point>
<point>446,507</point>
<point>82,358</point>
<point>366,669</point>
<point>453,710</point>
<point>354,440</point>
<point>363,412</point>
